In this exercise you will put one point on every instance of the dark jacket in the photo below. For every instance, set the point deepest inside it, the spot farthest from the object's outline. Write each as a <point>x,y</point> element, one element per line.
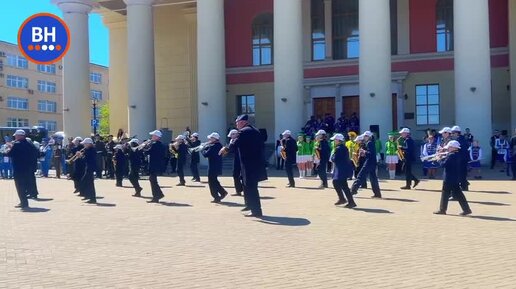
<point>90,159</point>
<point>250,149</point>
<point>452,167</point>
<point>79,164</point>
<point>370,155</point>
<point>211,152</point>
<point>120,159</point>
<point>464,146</point>
<point>24,157</point>
<point>100,147</point>
<point>156,157</point>
<point>195,155</point>
<point>181,151</point>
<point>324,149</point>
<point>343,167</point>
<point>291,150</point>
<point>135,159</point>
<point>409,150</point>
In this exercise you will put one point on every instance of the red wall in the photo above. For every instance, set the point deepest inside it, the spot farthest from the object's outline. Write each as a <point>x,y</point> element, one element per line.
<point>239,16</point>
<point>422,26</point>
<point>499,23</point>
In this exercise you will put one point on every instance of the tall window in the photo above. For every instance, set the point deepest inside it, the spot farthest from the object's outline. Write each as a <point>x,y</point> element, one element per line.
<point>444,25</point>
<point>427,104</point>
<point>96,94</point>
<point>46,86</point>
<point>17,103</point>
<point>318,32</point>
<point>246,105</point>
<point>95,77</point>
<point>17,61</point>
<point>50,125</point>
<point>47,106</point>
<point>262,39</point>
<point>17,81</point>
<point>17,122</point>
<point>48,68</point>
<point>346,42</point>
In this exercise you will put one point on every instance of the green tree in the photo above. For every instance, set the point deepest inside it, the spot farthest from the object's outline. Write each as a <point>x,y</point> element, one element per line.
<point>104,119</point>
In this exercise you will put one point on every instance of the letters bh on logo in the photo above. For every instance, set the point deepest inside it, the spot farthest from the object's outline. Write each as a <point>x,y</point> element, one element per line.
<point>44,38</point>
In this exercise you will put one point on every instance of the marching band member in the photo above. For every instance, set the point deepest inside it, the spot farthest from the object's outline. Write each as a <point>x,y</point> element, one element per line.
<point>45,152</point>
<point>324,153</point>
<point>308,150</point>
<point>475,155</point>
<point>352,147</point>
<point>155,150</point>
<point>502,149</point>
<point>193,142</point>
<point>237,177</point>
<point>23,156</point>
<point>78,166</point>
<point>464,146</point>
<point>290,147</point>
<point>120,164</point>
<point>391,155</point>
<point>369,167</point>
<point>342,169</point>
<point>211,152</point>
<point>110,152</point>
<point>445,138</point>
<point>87,181</point>
<point>452,177</point>
<point>360,158</point>
<point>430,148</point>
<point>409,151</point>
<point>300,156</point>
<point>182,150</point>
<point>135,161</point>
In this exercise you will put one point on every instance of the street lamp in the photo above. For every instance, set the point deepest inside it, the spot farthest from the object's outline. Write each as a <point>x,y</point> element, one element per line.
<point>94,122</point>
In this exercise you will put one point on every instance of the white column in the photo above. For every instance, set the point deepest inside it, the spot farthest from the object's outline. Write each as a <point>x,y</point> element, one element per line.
<point>141,76</point>
<point>328,28</point>
<point>76,69</point>
<point>375,65</point>
<point>512,56</point>
<point>288,65</point>
<point>403,27</point>
<point>473,68</point>
<point>211,67</point>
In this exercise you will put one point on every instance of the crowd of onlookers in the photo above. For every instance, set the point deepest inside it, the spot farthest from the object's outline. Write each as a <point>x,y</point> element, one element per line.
<point>343,124</point>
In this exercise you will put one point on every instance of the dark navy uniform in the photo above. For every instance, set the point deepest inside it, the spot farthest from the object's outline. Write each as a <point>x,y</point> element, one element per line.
<point>156,153</point>
<point>23,159</point>
<point>250,149</point>
<point>33,187</point>
<point>290,146</point>
<point>464,155</point>
<point>181,151</point>
<point>324,150</point>
<point>368,169</point>
<point>121,163</point>
<point>78,170</point>
<point>409,151</point>
<point>211,152</point>
<point>237,175</point>
<point>100,147</point>
<point>135,160</point>
<point>451,185</point>
<point>343,169</point>
<point>87,181</point>
<point>194,161</point>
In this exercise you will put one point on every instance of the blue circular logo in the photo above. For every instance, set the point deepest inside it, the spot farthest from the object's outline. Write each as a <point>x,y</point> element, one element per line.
<point>44,38</point>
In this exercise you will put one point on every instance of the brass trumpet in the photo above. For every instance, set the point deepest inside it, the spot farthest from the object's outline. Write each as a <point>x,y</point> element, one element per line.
<point>198,148</point>
<point>436,157</point>
<point>146,145</point>
<point>78,155</point>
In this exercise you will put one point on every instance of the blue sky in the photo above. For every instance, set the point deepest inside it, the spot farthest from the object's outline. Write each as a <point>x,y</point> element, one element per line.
<point>14,12</point>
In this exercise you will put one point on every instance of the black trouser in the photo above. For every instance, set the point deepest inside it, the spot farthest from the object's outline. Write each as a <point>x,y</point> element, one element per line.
<point>181,172</point>
<point>409,177</point>
<point>464,184</point>
<point>156,190</point>
<point>456,192</point>
<point>280,163</point>
<point>373,179</point>
<point>252,197</point>
<point>119,173</point>
<point>100,165</point>
<point>321,172</point>
<point>494,153</point>
<point>290,174</point>
<point>173,165</point>
<point>109,166</point>
<point>216,189</point>
<point>57,165</point>
<point>22,183</point>
<point>88,186</point>
<point>513,166</point>
<point>237,180</point>
<point>32,185</point>
<point>134,177</point>
<point>341,187</point>
<point>194,167</point>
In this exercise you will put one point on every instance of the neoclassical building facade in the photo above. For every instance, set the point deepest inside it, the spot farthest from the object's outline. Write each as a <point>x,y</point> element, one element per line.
<point>415,63</point>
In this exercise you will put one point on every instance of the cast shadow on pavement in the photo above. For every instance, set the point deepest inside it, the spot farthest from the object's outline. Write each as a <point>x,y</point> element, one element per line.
<point>491,192</point>
<point>172,204</point>
<point>488,203</point>
<point>391,199</point>
<point>107,205</point>
<point>374,211</point>
<point>43,199</point>
<point>284,221</point>
<point>35,210</point>
<point>491,218</point>
<point>231,204</point>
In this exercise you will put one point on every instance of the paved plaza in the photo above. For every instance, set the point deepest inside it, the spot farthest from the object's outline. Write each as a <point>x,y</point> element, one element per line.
<point>303,242</point>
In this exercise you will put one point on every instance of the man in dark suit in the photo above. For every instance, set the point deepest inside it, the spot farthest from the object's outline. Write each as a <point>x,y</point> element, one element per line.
<point>211,152</point>
<point>120,164</point>
<point>250,149</point>
<point>409,151</point>
<point>451,184</point>
<point>100,147</point>
<point>194,142</point>
<point>342,170</point>
<point>237,176</point>
<point>464,156</point>
<point>369,167</point>
<point>324,152</point>
<point>87,180</point>
<point>155,151</point>
<point>181,149</point>
<point>290,146</point>
<point>135,162</point>
<point>23,157</point>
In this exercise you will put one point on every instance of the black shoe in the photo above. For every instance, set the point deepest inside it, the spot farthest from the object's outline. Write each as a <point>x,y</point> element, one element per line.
<point>465,213</point>
<point>290,186</point>
<point>196,180</point>
<point>153,201</point>
<point>237,194</point>
<point>254,215</point>
<point>216,201</point>
<point>416,182</point>
<point>75,192</point>
<point>350,206</point>
<point>340,202</point>
<point>223,195</point>
<point>138,191</point>
<point>376,197</point>
<point>405,188</point>
<point>245,209</point>
<point>20,206</point>
<point>181,185</point>
<point>119,185</point>
<point>84,199</point>
<point>439,212</point>
<point>91,202</point>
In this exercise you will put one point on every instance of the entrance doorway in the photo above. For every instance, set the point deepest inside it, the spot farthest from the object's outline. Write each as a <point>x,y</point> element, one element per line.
<point>324,105</point>
<point>351,104</point>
